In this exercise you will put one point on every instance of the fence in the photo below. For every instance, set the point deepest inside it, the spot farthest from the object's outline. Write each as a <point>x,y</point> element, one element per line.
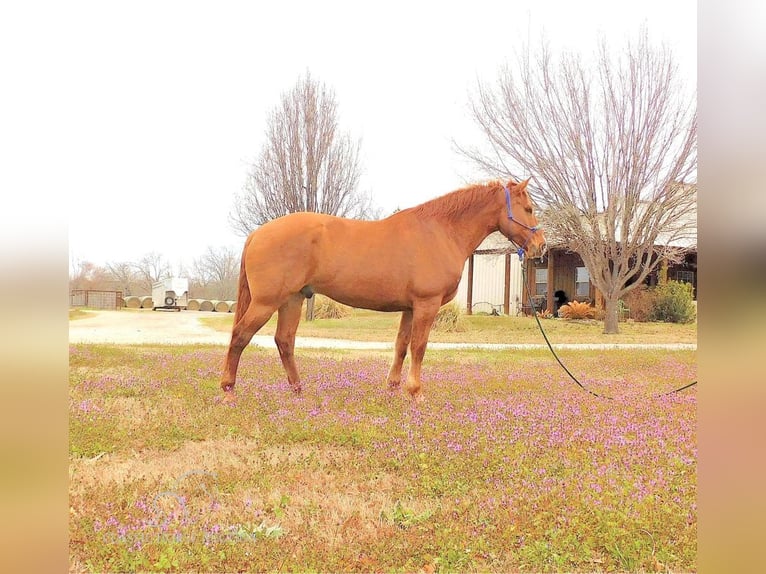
<point>96,299</point>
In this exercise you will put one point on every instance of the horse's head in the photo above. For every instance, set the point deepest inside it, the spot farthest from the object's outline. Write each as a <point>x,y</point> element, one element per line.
<point>517,220</point>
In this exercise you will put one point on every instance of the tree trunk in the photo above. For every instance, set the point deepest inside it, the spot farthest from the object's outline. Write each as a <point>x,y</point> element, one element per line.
<point>610,316</point>
<point>310,309</point>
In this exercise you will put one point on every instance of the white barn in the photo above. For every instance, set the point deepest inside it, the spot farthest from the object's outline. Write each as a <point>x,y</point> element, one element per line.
<point>492,279</point>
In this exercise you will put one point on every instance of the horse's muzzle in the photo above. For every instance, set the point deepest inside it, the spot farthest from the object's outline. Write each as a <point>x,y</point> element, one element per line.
<point>536,251</point>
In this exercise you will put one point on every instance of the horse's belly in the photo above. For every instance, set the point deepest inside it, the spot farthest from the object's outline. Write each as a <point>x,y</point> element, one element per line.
<point>371,298</point>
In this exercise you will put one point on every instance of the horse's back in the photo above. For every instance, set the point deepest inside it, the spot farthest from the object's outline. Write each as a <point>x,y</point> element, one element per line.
<point>373,264</point>
<point>299,243</point>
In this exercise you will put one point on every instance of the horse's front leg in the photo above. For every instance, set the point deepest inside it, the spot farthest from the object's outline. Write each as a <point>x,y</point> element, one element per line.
<point>400,349</point>
<point>423,315</point>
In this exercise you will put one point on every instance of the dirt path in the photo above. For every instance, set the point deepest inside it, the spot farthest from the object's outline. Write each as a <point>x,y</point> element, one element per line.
<point>144,326</point>
<point>182,328</point>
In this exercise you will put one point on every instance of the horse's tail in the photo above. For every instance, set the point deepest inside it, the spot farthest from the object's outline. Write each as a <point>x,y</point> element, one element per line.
<point>243,289</point>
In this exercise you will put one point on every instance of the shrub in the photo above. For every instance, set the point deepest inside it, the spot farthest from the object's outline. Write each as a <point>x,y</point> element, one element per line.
<point>641,302</point>
<point>449,318</point>
<point>674,303</point>
<point>546,314</point>
<point>577,310</point>
<point>326,308</point>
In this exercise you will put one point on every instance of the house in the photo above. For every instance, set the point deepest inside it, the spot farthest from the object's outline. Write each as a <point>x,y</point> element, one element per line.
<point>564,270</point>
<point>492,278</point>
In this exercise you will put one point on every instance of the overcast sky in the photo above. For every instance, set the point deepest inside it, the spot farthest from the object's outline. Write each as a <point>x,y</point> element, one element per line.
<point>163,104</point>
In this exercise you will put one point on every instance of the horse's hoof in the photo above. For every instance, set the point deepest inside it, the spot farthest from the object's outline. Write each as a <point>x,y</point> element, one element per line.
<point>416,395</point>
<point>229,398</point>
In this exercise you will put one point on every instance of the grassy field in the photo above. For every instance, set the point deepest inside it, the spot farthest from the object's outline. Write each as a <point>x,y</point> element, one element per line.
<point>373,326</point>
<point>75,314</point>
<point>507,466</point>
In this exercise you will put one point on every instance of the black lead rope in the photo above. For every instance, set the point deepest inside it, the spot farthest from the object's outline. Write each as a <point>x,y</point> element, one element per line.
<point>563,366</point>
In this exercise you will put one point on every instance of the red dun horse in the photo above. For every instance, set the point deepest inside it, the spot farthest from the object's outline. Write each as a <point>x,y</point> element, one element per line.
<point>411,262</point>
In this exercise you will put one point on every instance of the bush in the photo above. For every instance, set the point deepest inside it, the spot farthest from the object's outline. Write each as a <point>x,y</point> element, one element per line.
<point>641,302</point>
<point>546,314</point>
<point>577,310</point>
<point>449,318</point>
<point>326,308</point>
<point>674,304</point>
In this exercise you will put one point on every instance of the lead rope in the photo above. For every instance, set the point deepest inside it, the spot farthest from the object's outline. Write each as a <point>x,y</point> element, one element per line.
<point>563,366</point>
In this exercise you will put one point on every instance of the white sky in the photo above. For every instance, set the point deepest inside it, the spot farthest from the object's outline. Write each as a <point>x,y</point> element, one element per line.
<point>159,107</point>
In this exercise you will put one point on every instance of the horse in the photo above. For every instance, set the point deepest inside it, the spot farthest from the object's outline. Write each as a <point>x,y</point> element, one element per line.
<point>409,262</point>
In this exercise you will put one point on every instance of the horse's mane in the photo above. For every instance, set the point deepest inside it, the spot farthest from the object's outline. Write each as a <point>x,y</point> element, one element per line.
<point>457,202</point>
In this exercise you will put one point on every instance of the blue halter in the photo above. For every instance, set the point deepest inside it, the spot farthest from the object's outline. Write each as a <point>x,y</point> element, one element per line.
<point>521,250</point>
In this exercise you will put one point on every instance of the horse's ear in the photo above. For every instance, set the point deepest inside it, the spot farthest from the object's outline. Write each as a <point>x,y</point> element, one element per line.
<point>523,185</point>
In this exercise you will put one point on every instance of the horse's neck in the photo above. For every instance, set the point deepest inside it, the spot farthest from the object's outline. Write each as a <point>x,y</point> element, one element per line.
<point>472,227</point>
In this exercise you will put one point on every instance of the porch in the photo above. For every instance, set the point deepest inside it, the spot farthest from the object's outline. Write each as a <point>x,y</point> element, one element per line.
<point>564,271</point>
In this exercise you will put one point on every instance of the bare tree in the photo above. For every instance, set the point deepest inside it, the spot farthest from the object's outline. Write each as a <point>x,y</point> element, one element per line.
<point>216,272</point>
<point>611,150</point>
<point>151,268</point>
<point>87,275</point>
<point>306,164</point>
<point>80,273</point>
<point>123,274</point>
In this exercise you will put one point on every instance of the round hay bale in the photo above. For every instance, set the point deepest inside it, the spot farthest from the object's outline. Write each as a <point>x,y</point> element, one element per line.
<point>132,302</point>
<point>232,306</point>
<point>222,306</point>
<point>146,302</point>
<point>193,304</point>
<point>206,305</point>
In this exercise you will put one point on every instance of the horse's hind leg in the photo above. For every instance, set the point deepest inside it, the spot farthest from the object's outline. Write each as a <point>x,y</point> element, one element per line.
<point>287,325</point>
<point>400,350</point>
<point>241,334</point>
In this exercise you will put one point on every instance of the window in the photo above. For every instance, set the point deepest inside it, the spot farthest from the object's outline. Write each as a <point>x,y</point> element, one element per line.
<point>582,282</point>
<point>541,281</point>
<point>685,276</point>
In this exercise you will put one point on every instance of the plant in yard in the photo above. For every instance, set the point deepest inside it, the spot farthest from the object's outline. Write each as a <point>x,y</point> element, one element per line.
<point>545,314</point>
<point>326,308</point>
<point>641,302</point>
<point>674,303</point>
<point>577,310</point>
<point>449,318</point>
<point>404,517</point>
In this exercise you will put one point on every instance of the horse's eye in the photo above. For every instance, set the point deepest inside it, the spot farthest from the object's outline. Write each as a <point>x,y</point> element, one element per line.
<point>529,210</point>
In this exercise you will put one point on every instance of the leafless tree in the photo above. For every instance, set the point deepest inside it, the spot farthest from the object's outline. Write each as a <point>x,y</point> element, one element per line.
<point>306,163</point>
<point>80,273</point>
<point>216,273</point>
<point>123,275</point>
<point>151,268</point>
<point>87,275</point>
<point>611,148</point>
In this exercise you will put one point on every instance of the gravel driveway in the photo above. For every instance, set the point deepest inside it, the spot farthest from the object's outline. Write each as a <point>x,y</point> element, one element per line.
<point>145,326</point>
<point>184,327</point>
<point>178,328</point>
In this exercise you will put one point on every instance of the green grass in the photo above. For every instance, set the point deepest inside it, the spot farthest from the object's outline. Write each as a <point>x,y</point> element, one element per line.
<point>507,466</point>
<point>366,325</point>
<point>75,314</point>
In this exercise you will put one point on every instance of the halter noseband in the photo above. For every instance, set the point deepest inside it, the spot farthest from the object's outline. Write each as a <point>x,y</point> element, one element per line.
<point>521,250</point>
